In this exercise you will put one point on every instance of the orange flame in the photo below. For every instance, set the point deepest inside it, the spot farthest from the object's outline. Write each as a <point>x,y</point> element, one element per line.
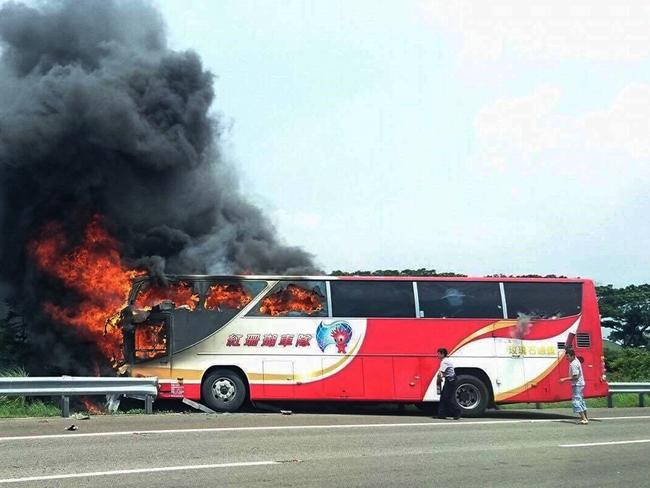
<point>292,299</point>
<point>180,294</point>
<point>226,295</point>
<point>91,407</point>
<point>94,270</point>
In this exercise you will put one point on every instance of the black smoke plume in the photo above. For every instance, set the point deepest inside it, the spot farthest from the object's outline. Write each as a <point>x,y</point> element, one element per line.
<point>99,116</point>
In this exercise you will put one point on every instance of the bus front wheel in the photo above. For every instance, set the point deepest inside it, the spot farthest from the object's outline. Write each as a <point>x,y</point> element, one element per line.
<point>224,390</point>
<point>471,395</point>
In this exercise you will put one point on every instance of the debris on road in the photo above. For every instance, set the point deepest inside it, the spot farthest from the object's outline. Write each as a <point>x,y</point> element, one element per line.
<point>270,408</point>
<point>197,406</point>
<point>80,416</point>
<point>72,427</point>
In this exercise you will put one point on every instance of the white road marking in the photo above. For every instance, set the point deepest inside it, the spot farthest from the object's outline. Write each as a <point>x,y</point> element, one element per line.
<point>135,471</point>
<point>450,423</point>
<point>610,443</point>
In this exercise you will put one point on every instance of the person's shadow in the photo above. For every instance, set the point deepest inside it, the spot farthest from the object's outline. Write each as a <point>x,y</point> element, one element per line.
<point>527,415</point>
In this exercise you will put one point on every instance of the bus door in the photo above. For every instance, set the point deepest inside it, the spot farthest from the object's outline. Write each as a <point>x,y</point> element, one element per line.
<point>511,377</point>
<point>406,373</point>
<point>151,344</point>
<point>539,357</point>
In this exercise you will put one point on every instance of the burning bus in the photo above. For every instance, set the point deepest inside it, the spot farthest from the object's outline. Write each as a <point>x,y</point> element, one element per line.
<point>226,339</point>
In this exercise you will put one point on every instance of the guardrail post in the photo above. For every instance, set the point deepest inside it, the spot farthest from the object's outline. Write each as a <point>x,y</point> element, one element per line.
<point>610,403</point>
<point>148,404</point>
<point>65,406</point>
<point>641,400</point>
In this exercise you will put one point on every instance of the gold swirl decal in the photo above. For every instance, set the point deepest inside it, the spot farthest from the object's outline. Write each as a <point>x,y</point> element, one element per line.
<point>307,377</point>
<point>494,326</point>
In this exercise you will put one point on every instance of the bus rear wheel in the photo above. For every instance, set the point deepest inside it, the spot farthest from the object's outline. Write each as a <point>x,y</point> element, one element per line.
<point>224,390</point>
<point>471,395</point>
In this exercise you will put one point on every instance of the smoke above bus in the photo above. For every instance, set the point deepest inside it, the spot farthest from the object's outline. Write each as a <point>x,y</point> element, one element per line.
<point>110,166</point>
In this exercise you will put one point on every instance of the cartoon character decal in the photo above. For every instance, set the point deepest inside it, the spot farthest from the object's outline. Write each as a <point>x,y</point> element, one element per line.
<point>338,333</point>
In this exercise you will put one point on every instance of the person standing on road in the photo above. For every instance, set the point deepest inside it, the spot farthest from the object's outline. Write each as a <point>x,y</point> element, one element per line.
<point>448,406</point>
<point>577,386</point>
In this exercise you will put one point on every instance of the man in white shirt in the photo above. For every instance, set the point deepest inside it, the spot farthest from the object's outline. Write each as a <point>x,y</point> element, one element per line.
<point>577,386</point>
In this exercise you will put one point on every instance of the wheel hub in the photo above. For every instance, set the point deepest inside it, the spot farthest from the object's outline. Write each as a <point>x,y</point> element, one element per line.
<point>468,396</point>
<point>224,389</point>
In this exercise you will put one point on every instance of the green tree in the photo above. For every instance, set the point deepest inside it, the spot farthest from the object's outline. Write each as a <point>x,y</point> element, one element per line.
<point>627,312</point>
<point>629,364</point>
<point>395,272</point>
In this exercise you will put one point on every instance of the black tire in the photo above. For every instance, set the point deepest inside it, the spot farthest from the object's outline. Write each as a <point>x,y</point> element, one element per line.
<point>224,390</point>
<point>471,395</point>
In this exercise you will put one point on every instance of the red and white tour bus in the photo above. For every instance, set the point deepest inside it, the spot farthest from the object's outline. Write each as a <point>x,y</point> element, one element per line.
<point>225,339</point>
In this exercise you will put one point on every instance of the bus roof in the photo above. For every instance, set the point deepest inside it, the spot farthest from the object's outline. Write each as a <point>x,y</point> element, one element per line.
<point>366,278</point>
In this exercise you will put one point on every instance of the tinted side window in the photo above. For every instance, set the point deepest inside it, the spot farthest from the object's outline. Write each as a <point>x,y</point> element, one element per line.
<point>293,299</point>
<point>223,300</point>
<point>457,299</point>
<point>543,300</point>
<point>372,299</point>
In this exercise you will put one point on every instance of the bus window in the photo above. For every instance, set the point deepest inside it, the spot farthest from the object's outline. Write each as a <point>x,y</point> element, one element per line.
<point>232,295</point>
<point>543,300</point>
<point>180,293</point>
<point>224,299</point>
<point>459,299</point>
<point>372,299</point>
<point>293,299</point>
<point>150,341</point>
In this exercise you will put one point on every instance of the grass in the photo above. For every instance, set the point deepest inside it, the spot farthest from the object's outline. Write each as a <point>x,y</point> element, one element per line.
<point>18,407</point>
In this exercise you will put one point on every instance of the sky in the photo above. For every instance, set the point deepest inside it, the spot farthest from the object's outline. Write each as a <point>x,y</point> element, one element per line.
<point>476,137</point>
<point>468,136</point>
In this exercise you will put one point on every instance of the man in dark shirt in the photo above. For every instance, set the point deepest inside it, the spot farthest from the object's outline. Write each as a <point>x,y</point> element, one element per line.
<point>448,406</point>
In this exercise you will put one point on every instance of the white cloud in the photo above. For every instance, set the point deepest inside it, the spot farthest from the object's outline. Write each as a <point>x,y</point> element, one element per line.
<point>533,126</point>
<point>568,189</point>
<point>523,124</point>
<point>551,29</point>
<point>625,126</point>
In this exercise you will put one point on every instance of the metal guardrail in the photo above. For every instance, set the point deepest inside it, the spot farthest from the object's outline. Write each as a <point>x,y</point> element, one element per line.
<point>641,388</point>
<point>67,386</point>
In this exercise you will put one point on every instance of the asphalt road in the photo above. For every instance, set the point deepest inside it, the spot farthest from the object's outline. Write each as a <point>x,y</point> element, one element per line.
<point>506,449</point>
